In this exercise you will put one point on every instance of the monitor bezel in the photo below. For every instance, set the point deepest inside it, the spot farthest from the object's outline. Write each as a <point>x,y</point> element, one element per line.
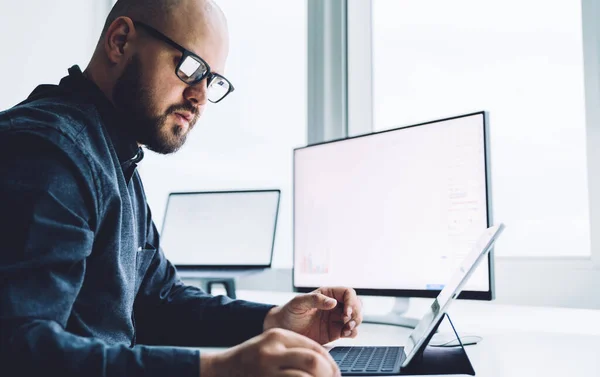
<point>422,293</point>
<point>228,267</point>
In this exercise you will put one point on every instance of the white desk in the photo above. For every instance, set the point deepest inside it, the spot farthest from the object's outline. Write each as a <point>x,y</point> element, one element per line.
<point>517,340</point>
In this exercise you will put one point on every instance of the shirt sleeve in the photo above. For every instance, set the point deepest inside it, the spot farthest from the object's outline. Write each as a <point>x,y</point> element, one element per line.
<point>167,311</point>
<point>47,222</point>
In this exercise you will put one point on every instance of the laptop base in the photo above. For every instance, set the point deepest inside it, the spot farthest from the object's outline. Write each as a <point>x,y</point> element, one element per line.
<point>429,360</point>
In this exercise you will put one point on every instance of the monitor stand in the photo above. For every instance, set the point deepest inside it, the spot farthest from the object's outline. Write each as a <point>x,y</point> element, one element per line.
<point>228,283</point>
<point>395,316</point>
<point>206,279</point>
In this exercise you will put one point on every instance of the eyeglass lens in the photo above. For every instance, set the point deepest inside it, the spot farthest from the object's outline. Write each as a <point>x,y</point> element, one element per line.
<point>191,69</point>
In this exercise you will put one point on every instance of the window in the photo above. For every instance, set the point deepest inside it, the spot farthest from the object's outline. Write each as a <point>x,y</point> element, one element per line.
<point>246,141</point>
<point>523,62</point>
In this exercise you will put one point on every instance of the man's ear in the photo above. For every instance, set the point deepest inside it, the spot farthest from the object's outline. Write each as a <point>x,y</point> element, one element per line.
<point>118,38</point>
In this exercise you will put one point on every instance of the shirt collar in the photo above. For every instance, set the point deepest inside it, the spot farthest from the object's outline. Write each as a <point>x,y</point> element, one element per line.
<point>127,148</point>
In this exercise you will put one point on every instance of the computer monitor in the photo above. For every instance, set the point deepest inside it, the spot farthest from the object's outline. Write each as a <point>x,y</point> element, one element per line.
<point>220,235</point>
<point>393,213</point>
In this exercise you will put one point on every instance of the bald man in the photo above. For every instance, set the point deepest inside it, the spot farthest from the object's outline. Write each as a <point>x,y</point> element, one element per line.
<point>85,289</point>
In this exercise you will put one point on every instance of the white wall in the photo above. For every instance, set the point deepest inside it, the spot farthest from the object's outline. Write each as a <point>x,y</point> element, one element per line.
<point>41,39</point>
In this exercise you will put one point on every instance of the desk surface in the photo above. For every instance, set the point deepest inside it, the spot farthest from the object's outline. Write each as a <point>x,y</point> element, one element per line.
<point>517,340</point>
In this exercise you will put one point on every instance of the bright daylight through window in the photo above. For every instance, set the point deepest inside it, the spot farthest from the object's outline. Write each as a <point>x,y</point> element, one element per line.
<point>523,62</point>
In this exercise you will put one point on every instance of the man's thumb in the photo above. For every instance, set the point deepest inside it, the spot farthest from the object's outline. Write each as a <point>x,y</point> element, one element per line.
<point>320,301</point>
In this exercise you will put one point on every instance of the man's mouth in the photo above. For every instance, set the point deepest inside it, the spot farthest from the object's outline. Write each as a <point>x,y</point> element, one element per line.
<point>184,118</point>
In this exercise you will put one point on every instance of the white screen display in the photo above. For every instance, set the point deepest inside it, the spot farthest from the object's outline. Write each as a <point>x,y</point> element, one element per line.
<point>220,229</point>
<point>393,210</point>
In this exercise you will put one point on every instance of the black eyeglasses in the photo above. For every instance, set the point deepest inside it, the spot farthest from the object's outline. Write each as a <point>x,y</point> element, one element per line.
<point>192,69</point>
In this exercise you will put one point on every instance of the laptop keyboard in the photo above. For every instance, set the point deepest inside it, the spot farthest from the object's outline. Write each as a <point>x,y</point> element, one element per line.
<point>368,360</point>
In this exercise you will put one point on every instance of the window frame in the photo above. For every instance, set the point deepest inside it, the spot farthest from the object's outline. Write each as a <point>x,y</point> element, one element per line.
<point>327,101</point>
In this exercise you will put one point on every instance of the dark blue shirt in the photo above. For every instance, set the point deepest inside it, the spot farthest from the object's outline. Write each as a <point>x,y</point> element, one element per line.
<point>85,289</point>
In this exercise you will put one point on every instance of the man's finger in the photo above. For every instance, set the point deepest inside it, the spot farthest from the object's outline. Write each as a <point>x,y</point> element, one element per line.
<point>292,373</point>
<point>350,325</point>
<point>318,301</point>
<point>350,333</point>
<point>352,305</point>
<point>292,339</point>
<point>313,363</point>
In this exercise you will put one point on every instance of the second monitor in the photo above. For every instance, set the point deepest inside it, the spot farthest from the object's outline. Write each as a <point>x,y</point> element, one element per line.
<point>219,235</point>
<point>393,213</point>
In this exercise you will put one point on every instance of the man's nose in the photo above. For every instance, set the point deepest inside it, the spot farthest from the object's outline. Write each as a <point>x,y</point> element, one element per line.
<point>197,94</point>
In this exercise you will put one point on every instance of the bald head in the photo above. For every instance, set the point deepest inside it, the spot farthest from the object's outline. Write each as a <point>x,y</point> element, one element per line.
<point>163,13</point>
<point>138,70</point>
<point>195,24</point>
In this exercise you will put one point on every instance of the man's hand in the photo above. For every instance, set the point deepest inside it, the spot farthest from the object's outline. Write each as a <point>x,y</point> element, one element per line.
<point>323,315</point>
<point>275,352</point>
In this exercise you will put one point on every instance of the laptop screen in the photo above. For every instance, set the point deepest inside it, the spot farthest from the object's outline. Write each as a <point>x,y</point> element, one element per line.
<point>220,229</point>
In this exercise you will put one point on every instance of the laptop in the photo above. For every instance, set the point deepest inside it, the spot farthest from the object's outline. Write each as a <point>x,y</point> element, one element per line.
<point>223,234</point>
<point>381,361</point>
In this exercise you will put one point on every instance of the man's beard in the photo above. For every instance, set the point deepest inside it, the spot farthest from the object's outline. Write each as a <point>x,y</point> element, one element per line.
<point>134,101</point>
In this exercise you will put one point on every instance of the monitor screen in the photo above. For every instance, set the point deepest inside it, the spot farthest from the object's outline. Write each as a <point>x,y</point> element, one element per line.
<point>393,212</point>
<point>220,229</point>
